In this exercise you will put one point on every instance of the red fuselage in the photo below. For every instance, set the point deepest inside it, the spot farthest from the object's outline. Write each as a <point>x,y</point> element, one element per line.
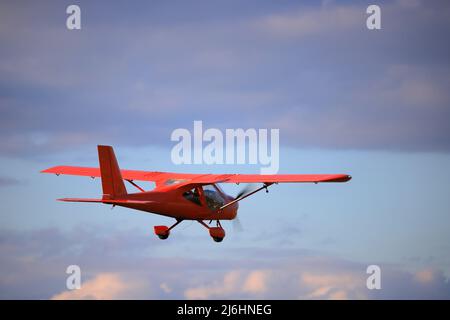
<point>174,203</point>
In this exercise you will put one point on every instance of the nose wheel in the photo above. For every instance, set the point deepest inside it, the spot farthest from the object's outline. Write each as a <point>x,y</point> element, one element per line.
<point>217,233</point>
<point>217,239</point>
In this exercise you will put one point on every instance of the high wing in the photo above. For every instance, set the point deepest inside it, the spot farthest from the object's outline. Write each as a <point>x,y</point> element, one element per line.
<point>182,179</point>
<point>95,172</point>
<point>160,178</point>
<point>283,178</point>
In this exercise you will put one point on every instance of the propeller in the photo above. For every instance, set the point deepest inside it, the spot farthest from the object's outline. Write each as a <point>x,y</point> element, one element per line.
<point>245,192</point>
<point>246,189</point>
<point>237,225</point>
<point>249,187</point>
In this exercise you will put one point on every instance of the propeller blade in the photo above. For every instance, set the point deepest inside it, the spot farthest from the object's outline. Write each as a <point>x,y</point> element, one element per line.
<point>244,194</point>
<point>237,225</point>
<point>246,189</point>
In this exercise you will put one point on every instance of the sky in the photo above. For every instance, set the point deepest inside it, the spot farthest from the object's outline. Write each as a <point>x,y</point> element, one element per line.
<point>374,104</point>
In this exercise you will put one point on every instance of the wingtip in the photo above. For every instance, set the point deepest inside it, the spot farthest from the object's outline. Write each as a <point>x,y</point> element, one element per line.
<point>346,178</point>
<point>49,170</point>
<point>341,178</point>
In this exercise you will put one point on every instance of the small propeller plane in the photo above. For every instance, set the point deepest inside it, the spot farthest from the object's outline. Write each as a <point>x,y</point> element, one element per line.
<point>183,196</point>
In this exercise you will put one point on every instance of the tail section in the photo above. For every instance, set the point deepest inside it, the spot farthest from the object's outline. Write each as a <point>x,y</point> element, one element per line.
<point>112,182</point>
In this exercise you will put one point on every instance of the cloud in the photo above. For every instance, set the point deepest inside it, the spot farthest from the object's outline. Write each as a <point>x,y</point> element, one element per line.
<point>105,286</point>
<point>236,282</point>
<point>228,285</point>
<point>6,182</point>
<point>165,287</point>
<point>424,276</point>
<point>315,72</point>
<point>334,286</point>
<point>278,282</point>
<point>256,282</point>
<point>117,265</point>
<point>310,22</point>
<point>337,280</point>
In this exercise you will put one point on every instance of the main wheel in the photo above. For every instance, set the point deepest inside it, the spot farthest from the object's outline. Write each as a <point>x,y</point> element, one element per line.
<point>162,232</point>
<point>163,236</point>
<point>217,239</point>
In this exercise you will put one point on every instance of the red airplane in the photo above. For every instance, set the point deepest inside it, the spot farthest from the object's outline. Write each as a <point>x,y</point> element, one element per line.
<point>183,196</point>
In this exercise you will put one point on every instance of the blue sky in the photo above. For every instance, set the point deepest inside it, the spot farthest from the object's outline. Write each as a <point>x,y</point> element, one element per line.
<point>373,104</point>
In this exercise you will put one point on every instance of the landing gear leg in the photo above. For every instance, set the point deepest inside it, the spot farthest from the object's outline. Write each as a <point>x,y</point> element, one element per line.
<point>217,233</point>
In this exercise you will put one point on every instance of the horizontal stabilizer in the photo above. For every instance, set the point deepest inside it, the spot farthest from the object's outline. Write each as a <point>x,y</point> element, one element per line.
<point>80,200</point>
<point>124,201</point>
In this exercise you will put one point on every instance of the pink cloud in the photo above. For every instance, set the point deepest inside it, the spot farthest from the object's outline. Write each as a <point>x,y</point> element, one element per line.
<point>425,276</point>
<point>105,286</point>
<point>256,282</point>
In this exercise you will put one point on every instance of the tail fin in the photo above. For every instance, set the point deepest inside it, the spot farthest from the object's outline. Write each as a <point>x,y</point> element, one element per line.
<point>112,182</point>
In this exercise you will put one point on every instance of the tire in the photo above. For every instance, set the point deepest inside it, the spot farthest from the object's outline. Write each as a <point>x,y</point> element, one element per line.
<point>163,236</point>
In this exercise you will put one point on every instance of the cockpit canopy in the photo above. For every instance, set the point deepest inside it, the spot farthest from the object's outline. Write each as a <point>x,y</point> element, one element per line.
<point>209,194</point>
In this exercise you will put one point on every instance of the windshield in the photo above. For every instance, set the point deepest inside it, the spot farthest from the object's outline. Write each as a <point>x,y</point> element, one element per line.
<point>214,199</point>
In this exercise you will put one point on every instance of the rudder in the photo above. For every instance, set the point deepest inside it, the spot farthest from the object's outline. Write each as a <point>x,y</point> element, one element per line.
<point>112,181</point>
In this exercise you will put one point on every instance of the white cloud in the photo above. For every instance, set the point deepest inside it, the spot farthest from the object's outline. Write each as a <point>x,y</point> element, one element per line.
<point>228,285</point>
<point>282,274</point>
<point>277,282</point>
<point>105,286</point>
<point>165,287</point>
<point>335,286</point>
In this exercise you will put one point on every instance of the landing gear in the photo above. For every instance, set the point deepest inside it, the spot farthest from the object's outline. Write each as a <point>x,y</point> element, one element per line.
<point>163,232</point>
<point>217,233</point>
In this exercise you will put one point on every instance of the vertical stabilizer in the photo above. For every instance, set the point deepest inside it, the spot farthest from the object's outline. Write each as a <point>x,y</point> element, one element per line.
<point>112,182</point>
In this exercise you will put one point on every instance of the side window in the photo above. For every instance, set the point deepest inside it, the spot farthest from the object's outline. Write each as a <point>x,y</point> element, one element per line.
<point>192,195</point>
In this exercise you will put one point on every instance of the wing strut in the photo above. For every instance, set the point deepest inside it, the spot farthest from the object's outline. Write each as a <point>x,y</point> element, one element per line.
<point>265,185</point>
<point>135,185</point>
